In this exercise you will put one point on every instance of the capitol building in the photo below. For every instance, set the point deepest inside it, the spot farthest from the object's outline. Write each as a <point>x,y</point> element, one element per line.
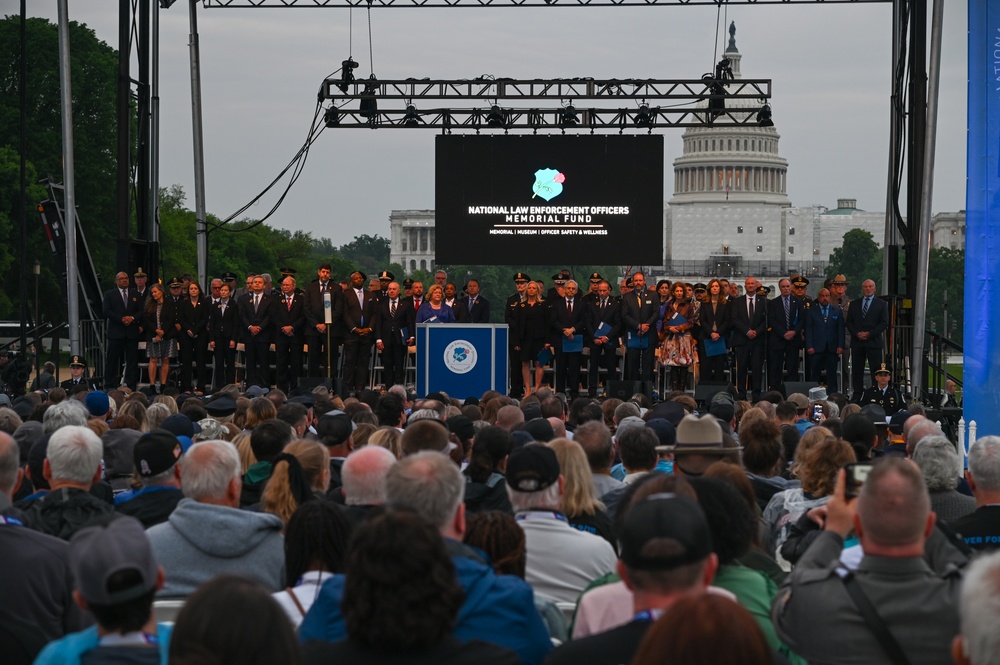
<point>730,215</point>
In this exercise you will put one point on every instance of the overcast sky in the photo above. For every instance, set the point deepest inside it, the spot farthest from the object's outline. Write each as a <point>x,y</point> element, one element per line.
<point>262,68</point>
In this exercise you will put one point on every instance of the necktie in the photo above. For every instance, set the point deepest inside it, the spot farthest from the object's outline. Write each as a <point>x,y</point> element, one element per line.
<point>416,303</point>
<point>864,309</point>
<point>361,302</point>
<point>472,301</point>
<point>125,297</point>
<point>392,308</point>
<point>750,300</point>
<point>788,320</point>
<point>289,301</point>
<point>569,306</point>
<point>604,303</point>
<point>256,301</point>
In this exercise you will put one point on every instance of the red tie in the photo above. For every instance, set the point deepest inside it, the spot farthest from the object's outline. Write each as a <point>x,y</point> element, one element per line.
<point>289,303</point>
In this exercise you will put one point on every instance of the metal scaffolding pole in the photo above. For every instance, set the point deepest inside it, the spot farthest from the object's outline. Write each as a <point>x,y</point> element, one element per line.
<point>66,95</point>
<point>201,230</point>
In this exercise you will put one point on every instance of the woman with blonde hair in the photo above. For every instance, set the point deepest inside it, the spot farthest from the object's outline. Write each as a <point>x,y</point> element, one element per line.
<point>167,400</point>
<point>155,415</point>
<point>389,438</point>
<point>135,409</point>
<point>582,509</point>
<point>301,473</point>
<point>247,459</point>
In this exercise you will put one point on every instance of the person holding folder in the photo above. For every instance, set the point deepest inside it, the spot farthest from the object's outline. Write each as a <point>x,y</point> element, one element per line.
<point>677,345</point>
<point>531,330</point>
<point>568,326</point>
<point>603,332</point>
<point>714,317</point>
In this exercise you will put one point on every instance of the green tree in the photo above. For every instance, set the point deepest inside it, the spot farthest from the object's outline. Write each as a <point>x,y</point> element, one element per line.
<point>945,292</point>
<point>858,258</point>
<point>369,253</point>
<point>93,70</point>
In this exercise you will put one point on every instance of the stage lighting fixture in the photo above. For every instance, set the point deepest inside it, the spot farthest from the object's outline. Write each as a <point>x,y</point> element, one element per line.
<point>764,116</point>
<point>347,68</point>
<point>644,118</point>
<point>568,117</point>
<point>716,96</point>
<point>496,117</point>
<point>412,118</point>
<point>332,117</point>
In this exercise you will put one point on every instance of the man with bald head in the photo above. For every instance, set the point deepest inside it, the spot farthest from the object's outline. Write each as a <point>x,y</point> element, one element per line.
<point>910,573</point>
<point>122,309</point>
<point>509,417</point>
<point>749,328</point>
<point>867,319</point>
<point>363,474</point>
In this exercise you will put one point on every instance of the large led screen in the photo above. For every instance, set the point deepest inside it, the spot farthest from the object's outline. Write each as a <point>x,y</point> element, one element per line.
<point>546,200</point>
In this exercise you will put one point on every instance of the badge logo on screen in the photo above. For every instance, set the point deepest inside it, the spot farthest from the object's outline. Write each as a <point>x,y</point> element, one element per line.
<point>460,356</point>
<point>548,183</point>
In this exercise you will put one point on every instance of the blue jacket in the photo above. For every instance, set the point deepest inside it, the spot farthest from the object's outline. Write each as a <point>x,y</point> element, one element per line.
<point>498,608</point>
<point>69,649</point>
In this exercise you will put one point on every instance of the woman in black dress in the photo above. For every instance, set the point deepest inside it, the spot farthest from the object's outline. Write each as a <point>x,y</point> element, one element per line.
<point>713,318</point>
<point>161,334</point>
<point>532,335</point>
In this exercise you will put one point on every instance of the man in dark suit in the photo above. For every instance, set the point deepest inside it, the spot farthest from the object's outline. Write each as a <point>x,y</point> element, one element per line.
<point>568,320</point>
<point>123,310</point>
<point>394,316</point>
<point>289,319</point>
<point>359,321</point>
<point>473,308</point>
<point>317,332</point>
<point>224,331</point>
<point>255,316</point>
<point>604,310</point>
<point>511,307</point>
<point>749,325</point>
<point>640,308</point>
<point>786,316</point>
<point>867,318</point>
<point>825,339</point>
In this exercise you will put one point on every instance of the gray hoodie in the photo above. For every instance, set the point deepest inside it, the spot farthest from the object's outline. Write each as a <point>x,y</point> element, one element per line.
<point>201,541</point>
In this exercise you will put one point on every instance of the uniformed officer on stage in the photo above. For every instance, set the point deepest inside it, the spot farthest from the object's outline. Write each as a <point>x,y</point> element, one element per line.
<point>510,318</point>
<point>77,371</point>
<point>883,393</point>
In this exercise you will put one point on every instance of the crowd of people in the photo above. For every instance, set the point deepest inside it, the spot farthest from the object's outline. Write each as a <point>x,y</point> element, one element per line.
<point>684,333</point>
<point>267,526</point>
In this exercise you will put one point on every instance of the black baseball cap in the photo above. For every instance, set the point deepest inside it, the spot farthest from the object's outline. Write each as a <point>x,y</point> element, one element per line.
<point>676,522</point>
<point>98,553</point>
<point>156,451</point>
<point>532,468</point>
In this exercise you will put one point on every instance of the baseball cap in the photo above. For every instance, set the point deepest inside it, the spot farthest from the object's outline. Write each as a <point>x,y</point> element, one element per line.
<point>722,406</point>
<point>156,451</point>
<point>4,400</point>
<point>897,420</point>
<point>334,428</point>
<point>97,403</point>
<point>800,401</point>
<point>540,429</point>
<point>97,553</point>
<point>663,532</point>
<point>180,425</point>
<point>532,468</point>
<point>461,427</point>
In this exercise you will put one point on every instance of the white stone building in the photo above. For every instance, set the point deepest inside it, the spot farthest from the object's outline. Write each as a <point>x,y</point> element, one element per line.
<point>411,239</point>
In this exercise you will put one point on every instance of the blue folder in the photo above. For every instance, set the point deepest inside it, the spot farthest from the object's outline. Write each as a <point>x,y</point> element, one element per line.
<point>636,341</point>
<point>572,344</point>
<point>715,347</point>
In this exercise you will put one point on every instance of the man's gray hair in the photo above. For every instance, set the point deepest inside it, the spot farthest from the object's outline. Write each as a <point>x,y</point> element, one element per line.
<point>921,429</point>
<point>207,469</point>
<point>428,483</point>
<point>399,391</point>
<point>364,474</point>
<point>626,409</point>
<point>936,457</point>
<point>547,498</point>
<point>979,611</point>
<point>156,413</point>
<point>67,413</point>
<point>984,463</point>
<point>10,461</point>
<point>74,453</point>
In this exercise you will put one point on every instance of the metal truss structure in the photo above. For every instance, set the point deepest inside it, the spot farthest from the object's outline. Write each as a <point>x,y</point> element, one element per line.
<point>580,104</point>
<point>341,4</point>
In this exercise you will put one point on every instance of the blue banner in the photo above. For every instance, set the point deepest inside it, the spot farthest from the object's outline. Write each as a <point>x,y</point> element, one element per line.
<point>463,360</point>
<point>981,389</point>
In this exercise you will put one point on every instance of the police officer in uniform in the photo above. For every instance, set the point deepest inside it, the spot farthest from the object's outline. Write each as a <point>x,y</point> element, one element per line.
<point>799,284</point>
<point>511,307</point>
<point>590,297</point>
<point>78,376</point>
<point>883,393</point>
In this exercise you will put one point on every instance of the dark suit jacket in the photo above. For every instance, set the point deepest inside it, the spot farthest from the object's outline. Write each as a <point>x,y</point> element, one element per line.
<point>874,323</point>
<point>355,316</point>
<point>611,315</point>
<point>776,318</point>
<point>560,318</point>
<point>224,327</point>
<point>262,317</point>
<point>824,336</point>
<point>480,312</point>
<point>634,313</point>
<point>115,310</point>
<point>741,324</point>
<point>313,307</point>
<point>194,318</point>
<point>281,316</point>
<point>720,319</point>
<point>389,328</point>
<point>168,316</point>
